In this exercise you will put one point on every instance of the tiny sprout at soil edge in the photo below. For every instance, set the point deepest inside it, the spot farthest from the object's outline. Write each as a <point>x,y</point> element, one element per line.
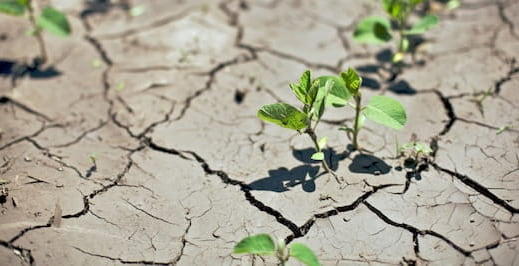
<point>377,30</point>
<point>49,19</point>
<point>262,244</point>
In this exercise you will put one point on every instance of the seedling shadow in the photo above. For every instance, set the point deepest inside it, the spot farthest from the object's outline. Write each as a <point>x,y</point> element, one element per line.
<point>368,164</point>
<point>16,70</point>
<point>282,179</point>
<point>102,7</point>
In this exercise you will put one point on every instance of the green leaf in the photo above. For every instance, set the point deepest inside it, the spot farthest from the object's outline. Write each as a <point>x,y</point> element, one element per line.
<point>54,22</point>
<point>352,80</point>
<point>320,99</point>
<point>386,111</point>
<point>12,7</point>
<point>373,30</point>
<point>397,57</point>
<point>298,92</point>
<point>304,254</point>
<point>423,148</point>
<point>322,142</point>
<point>453,4</point>
<point>284,115</point>
<point>261,244</point>
<point>311,94</point>
<point>423,25</point>
<point>338,95</point>
<point>318,156</point>
<point>306,80</point>
<point>395,8</point>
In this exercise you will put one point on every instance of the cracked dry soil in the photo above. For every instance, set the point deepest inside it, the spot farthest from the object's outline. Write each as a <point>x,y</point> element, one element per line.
<point>184,170</point>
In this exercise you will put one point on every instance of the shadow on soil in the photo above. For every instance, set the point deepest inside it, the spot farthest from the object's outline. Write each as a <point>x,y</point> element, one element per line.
<point>17,70</point>
<point>282,179</point>
<point>102,7</point>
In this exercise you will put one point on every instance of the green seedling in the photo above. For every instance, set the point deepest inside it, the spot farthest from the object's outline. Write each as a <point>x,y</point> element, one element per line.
<point>49,19</point>
<point>479,97</point>
<point>313,95</point>
<point>262,244</point>
<point>380,109</point>
<point>379,30</point>
<point>414,152</point>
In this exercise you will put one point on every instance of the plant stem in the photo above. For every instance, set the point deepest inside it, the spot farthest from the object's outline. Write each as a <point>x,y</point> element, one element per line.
<point>356,128</point>
<point>313,136</point>
<point>37,35</point>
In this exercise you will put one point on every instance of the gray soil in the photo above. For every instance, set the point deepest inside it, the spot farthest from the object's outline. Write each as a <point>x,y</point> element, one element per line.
<point>166,102</point>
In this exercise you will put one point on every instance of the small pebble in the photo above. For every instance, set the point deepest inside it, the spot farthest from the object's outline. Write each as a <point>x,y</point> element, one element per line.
<point>27,159</point>
<point>60,169</point>
<point>472,220</point>
<point>472,244</point>
<point>377,172</point>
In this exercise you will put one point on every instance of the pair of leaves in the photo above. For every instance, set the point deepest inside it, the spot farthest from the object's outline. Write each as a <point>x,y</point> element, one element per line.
<point>263,244</point>
<point>310,93</point>
<point>50,19</point>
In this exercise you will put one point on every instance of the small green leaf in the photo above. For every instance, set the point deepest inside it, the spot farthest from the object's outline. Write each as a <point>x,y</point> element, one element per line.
<point>137,11</point>
<point>12,7</point>
<point>386,111</point>
<point>306,81</point>
<point>284,115</point>
<point>322,142</point>
<point>261,244</point>
<point>54,22</point>
<point>338,95</point>
<point>304,254</point>
<point>397,57</point>
<point>298,92</point>
<point>373,30</point>
<point>25,3</point>
<point>318,156</point>
<point>311,94</point>
<point>423,148</point>
<point>453,4</point>
<point>395,8</point>
<point>423,25</point>
<point>352,80</point>
<point>320,99</point>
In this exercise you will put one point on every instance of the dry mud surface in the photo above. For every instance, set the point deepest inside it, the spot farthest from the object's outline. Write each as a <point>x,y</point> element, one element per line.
<point>167,101</point>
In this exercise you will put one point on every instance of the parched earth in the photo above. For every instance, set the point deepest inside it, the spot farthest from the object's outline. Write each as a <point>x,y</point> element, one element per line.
<point>139,142</point>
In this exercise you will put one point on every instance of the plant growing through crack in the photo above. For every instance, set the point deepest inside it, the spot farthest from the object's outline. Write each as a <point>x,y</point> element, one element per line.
<point>377,30</point>
<point>380,109</point>
<point>262,244</point>
<point>416,155</point>
<point>313,95</point>
<point>49,19</point>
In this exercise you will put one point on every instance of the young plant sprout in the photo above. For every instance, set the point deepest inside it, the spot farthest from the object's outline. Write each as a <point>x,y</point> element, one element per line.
<point>415,154</point>
<point>312,94</point>
<point>262,244</point>
<point>377,30</point>
<point>49,19</point>
<point>380,109</point>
